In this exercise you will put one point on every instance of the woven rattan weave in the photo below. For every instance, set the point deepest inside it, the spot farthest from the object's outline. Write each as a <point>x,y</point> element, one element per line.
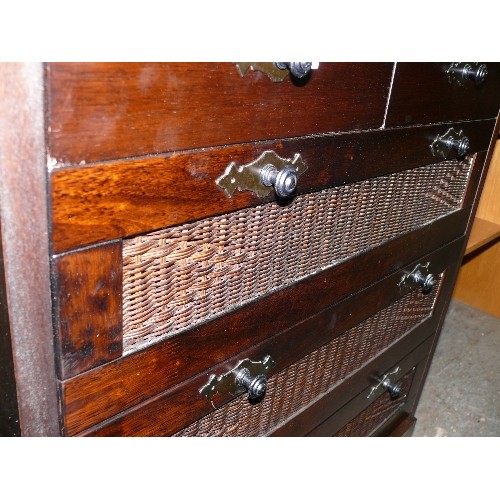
<point>293,388</point>
<point>178,277</point>
<point>367,421</point>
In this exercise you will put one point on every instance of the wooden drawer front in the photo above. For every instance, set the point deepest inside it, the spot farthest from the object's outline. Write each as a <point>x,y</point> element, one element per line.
<point>378,412</point>
<point>178,277</point>
<point>317,373</point>
<point>105,201</point>
<point>156,391</point>
<point>422,93</point>
<point>100,111</point>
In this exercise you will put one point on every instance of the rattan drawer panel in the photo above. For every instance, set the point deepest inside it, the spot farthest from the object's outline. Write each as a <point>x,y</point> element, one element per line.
<point>178,277</point>
<point>303,382</point>
<point>378,412</point>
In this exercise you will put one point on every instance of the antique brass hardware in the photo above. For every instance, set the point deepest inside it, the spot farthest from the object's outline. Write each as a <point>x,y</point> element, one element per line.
<point>268,171</point>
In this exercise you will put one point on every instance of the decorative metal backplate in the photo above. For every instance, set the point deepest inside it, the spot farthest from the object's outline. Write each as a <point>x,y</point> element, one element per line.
<point>439,146</point>
<point>269,68</point>
<point>380,382</point>
<point>407,282</point>
<point>247,177</point>
<point>226,383</point>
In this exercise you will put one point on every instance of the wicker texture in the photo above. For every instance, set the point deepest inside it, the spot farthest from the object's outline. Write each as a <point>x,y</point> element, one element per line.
<point>293,388</point>
<point>178,277</point>
<point>377,413</point>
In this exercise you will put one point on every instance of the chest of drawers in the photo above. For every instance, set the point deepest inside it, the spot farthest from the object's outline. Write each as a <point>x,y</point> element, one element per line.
<point>232,249</point>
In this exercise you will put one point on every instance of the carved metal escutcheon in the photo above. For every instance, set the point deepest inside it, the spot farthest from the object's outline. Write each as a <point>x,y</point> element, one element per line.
<point>443,145</point>
<point>269,68</point>
<point>252,176</point>
<point>228,383</point>
<point>386,383</point>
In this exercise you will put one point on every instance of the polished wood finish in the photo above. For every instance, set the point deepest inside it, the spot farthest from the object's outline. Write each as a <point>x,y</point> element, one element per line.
<point>124,198</point>
<point>143,108</point>
<point>421,93</point>
<point>88,308</point>
<point>165,364</point>
<point>23,209</point>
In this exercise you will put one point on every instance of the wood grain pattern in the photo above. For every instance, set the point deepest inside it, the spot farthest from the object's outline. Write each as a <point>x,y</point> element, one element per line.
<point>158,417</point>
<point>101,111</point>
<point>421,93</point>
<point>116,386</point>
<point>88,308</point>
<point>114,200</point>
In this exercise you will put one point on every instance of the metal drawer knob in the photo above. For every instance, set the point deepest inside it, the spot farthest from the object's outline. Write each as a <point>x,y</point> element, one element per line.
<point>284,181</point>
<point>255,386</point>
<point>247,375</point>
<point>463,72</point>
<point>426,281</point>
<point>297,69</point>
<point>449,141</point>
<point>393,388</point>
<point>260,176</point>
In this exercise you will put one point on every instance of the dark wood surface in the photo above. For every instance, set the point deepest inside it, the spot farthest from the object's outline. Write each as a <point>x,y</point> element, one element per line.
<point>9,410</point>
<point>23,209</point>
<point>421,93</point>
<point>321,411</point>
<point>402,425</point>
<point>134,378</point>
<point>175,409</point>
<point>88,303</point>
<point>127,197</point>
<point>101,111</point>
<point>412,362</point>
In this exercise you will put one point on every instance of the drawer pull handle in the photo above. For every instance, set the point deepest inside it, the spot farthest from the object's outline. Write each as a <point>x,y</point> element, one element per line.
<point>297,69</point>
<point>269,171</point>
<point>247,375</point>
<point>278,71</point>
<point>387,384</point>
<point>420,275</point>
<point>461,73</point>
<point>425,281</point>
<point>255,386</point>
<point>393,388</point>
<point>449,141</point>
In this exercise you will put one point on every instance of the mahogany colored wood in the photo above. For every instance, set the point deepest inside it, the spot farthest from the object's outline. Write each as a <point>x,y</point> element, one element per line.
<point>157,417</point>
<point>113,200</point>
<point>101,111</point>
<point>9,410</point>
<point>89,308</point>
<point>421,93</point>
<point>321,410</point>
<point>23,210</point>
<point>343,407</point>
<point>165,364</point>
